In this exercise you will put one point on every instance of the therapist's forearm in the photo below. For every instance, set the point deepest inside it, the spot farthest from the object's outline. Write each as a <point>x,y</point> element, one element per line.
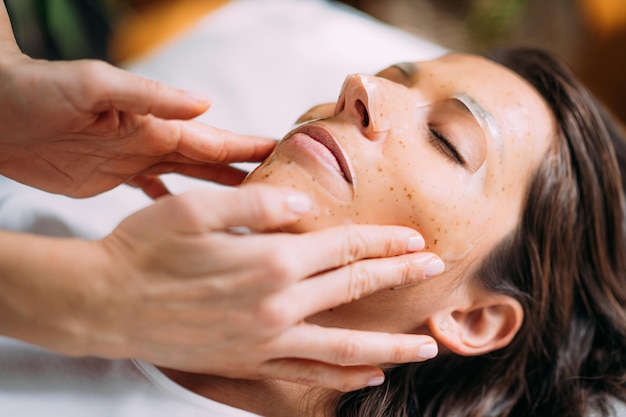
<point>46,286</point>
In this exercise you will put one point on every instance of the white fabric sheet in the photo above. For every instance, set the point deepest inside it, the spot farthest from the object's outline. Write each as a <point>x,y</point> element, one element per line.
<point>37,383</point>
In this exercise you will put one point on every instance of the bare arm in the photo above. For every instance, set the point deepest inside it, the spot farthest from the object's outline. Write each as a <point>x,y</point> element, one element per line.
<point>189,295</point>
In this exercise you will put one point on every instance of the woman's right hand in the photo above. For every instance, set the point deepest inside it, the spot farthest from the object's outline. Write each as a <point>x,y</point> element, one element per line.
<point>182,291</point>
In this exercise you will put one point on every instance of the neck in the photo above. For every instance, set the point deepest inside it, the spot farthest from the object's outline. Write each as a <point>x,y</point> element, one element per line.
<point>269,398</point>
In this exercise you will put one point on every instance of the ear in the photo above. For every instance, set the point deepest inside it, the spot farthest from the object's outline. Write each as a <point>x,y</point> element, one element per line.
<point>481,328</point>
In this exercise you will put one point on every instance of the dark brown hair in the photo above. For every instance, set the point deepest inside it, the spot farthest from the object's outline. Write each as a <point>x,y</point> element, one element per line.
<point>566,264</point>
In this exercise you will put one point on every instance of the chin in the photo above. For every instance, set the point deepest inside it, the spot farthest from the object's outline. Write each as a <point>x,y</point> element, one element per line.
<point>327,210</point>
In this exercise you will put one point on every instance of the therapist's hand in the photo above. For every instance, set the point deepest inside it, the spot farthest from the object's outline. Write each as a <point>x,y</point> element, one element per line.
<point>83,127</point>
<point>194,297</point>
<point>172,286</point>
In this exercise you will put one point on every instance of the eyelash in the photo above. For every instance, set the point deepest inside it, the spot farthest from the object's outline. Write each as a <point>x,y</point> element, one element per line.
<point>443,144</point>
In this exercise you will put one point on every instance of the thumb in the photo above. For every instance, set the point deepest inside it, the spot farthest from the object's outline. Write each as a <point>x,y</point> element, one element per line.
<point>256,207</point>
<point>129,92</point>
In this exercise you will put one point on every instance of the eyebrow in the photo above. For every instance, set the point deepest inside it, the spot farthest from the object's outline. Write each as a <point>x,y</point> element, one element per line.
<point>483,116</point>
<point>466,102</point>
<point>407,68</point>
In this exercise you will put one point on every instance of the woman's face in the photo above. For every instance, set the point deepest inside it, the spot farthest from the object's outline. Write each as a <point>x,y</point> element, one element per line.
<point>445,146</point>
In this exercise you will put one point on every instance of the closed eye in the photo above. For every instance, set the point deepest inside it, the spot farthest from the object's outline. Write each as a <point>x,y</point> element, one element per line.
<point>443,144</point>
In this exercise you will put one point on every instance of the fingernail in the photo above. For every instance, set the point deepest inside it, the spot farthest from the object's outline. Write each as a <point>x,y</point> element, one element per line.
<point>298,203</point>
<point>377,380</point>
<point>434,267</point>
<point>415,243</point>
<point>428,351</point>
<point>199,96</point>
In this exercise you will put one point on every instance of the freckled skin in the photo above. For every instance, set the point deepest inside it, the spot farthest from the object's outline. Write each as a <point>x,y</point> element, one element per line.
<point>400,177</point>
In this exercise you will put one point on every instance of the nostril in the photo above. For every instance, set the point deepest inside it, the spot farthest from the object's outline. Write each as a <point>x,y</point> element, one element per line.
<point>363,114</point>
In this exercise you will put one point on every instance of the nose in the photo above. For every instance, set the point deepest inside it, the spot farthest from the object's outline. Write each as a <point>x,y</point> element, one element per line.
<point>363,101</point>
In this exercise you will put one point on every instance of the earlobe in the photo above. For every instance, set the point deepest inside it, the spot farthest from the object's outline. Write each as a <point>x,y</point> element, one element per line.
<point>480,328</point>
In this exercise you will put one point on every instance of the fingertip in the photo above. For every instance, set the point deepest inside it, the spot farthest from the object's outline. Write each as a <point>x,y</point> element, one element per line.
<point>259,207</point>
<point>297,202</point>
<point>435,267</point>
<point>282,206</point>
<point>428,351</point>
<point>376,380</point>
<point>364,376</point>
<point>415,243</point>
<point>142,95</point>
<point>151,185</point>
<point>180,104</point>
<point>200,98</point>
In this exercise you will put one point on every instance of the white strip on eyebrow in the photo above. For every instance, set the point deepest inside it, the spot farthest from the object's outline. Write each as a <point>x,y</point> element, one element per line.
<point>484,117</point>
<point>407,68</point>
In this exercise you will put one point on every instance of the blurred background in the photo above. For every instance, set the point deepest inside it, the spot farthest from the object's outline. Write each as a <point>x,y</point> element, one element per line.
<point>589,34</point>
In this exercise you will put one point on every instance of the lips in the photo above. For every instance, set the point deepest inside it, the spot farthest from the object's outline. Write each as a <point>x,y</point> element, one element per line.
<point>326,139</point>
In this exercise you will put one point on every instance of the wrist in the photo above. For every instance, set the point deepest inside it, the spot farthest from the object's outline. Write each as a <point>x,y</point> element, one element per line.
<point>50,291</point>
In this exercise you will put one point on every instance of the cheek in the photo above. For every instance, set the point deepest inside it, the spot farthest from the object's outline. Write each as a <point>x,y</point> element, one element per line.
<point>422,191</point>
<point>326,211</point>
